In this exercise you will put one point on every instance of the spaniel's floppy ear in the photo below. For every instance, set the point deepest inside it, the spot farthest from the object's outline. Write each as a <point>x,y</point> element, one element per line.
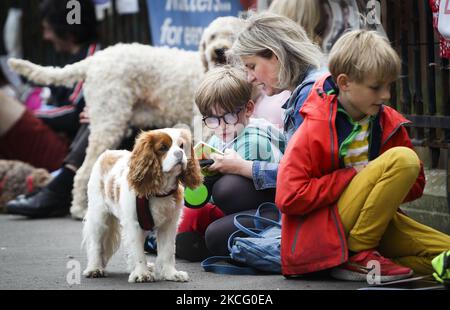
<point>191,176</point>
<point>145,175</point>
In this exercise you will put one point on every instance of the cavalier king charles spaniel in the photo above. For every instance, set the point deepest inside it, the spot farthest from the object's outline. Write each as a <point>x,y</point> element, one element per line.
<point>160,161</point>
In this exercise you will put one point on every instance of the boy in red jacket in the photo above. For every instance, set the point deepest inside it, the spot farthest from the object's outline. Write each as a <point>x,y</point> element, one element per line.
<point>346,171</point>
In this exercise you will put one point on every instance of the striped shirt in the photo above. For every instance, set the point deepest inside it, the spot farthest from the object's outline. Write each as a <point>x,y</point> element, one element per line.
<point>260,140</point>
<point>357,152</point>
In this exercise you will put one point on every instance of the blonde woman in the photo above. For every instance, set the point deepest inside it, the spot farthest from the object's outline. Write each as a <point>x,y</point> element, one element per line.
<point>313,17</point>
<point>310,14</point>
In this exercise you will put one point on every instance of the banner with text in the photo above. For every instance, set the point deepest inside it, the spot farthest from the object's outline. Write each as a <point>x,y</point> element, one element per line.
<point>180,23</point>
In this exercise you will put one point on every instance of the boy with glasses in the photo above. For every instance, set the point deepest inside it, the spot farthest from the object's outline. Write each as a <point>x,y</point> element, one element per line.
<point>224,100</point>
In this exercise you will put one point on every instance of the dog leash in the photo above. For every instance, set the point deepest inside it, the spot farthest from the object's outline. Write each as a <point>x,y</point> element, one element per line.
<point>144,215</point>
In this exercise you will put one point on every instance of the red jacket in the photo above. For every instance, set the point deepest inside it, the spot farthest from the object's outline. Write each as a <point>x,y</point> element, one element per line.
<point>310,182</point>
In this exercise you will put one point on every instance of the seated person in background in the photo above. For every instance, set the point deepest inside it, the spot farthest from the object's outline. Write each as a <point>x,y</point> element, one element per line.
<point>224,100</point>
<point>55,199</point>
<point>41,138</point>
<point>271,107</point>
<point>6,87</point>
<point>312,15</point>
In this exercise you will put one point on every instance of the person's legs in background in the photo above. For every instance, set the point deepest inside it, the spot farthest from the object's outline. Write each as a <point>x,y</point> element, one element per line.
<point>26,138</point>
<point>10,112</point>
<point>55,198</point>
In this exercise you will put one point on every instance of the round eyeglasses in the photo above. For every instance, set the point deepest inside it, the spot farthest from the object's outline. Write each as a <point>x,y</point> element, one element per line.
<point>213,121</point>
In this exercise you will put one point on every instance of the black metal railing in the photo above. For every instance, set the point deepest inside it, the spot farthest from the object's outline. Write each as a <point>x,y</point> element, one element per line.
<point>422,93</point>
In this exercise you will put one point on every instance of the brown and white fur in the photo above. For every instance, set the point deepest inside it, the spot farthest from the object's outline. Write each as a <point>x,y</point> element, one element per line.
<point>159,162</point>
<point>134,84</point>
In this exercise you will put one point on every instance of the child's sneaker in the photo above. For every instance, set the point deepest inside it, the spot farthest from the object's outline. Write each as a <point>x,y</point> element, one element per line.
<point>357,268</point>
<point>441,264</point>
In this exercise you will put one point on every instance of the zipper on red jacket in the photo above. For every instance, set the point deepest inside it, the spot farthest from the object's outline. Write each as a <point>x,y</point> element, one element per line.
<point>393,133</point>
<point>334,216</point>
<point>341,238</point>
<point>330,121</point>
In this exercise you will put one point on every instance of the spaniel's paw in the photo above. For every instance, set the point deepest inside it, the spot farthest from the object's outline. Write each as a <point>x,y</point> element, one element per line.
<point>151,266</point>
<point>141,276</point>
<point>177,276</point>
<point>94,273</point>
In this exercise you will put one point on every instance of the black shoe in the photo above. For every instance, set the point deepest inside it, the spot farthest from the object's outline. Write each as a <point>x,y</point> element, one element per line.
<point>44,203</point>
<point>191,246</point>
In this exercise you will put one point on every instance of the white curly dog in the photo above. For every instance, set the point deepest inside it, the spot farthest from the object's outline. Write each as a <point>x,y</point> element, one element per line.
<point>134,85</point>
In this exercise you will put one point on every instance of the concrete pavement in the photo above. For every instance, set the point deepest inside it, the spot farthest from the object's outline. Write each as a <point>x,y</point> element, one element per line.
<point>42,253</point>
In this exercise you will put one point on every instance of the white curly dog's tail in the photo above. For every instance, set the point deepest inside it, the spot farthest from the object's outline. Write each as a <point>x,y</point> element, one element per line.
<point>66,76</point>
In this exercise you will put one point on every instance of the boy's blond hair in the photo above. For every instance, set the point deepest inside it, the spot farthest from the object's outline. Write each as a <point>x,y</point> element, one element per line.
<point>225,87</point>
<point>361,54</point>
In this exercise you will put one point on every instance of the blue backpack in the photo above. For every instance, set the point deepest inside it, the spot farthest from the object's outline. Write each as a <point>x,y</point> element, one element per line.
<point>258,252</point>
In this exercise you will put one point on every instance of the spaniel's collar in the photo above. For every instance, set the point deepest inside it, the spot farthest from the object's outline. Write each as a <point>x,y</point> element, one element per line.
<point>168,194</point>
<point>144,215</point>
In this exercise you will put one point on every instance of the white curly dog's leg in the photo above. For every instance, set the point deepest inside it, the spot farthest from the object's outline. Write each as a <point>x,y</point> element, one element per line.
<point>109,118</point>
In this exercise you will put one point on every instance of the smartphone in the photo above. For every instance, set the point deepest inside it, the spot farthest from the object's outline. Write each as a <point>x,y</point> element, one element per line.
<point>205,162</point>
<point>203,150</point>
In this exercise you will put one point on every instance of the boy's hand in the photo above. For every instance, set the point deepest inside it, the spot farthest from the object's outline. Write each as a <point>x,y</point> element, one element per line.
<point>229,163</point>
